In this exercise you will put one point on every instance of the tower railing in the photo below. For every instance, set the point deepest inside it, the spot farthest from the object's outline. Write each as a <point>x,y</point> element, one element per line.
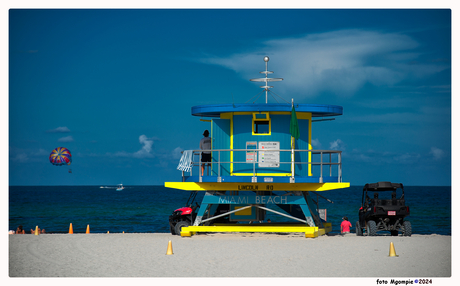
<point>321,162</point>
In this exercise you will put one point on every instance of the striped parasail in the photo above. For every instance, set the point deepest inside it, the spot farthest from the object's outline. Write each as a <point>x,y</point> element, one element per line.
<point>60,156</point>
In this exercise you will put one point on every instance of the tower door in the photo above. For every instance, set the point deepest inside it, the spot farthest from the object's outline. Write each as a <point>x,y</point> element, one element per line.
<point>220,134</point>
<point>302,144</point>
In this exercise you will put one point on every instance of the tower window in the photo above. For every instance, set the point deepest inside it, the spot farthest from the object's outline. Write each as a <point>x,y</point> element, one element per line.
<point>261,124</point>
<point>261,127</point>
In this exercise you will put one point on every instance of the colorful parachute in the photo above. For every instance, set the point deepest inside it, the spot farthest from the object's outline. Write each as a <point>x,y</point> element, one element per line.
<point>60,156</point>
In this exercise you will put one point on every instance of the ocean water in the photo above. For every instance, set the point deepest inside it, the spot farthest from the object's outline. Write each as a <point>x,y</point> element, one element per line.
<point>145,209</point>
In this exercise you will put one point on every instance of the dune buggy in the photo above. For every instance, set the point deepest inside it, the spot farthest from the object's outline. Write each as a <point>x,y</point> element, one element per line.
<point>380,212</point>
<point>185,216</point>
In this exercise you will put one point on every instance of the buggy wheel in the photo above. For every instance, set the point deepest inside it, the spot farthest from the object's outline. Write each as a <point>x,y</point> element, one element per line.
<point>407,228</point>
<point>359,230</point>
<point>371,228</point>
<point>180,225</point>
<point>172,230</point>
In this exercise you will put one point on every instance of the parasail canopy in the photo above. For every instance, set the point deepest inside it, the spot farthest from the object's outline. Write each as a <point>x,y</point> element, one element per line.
<point>60,156</point>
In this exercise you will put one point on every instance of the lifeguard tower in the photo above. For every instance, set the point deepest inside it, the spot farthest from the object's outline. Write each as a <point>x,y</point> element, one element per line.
<point>261,156</point>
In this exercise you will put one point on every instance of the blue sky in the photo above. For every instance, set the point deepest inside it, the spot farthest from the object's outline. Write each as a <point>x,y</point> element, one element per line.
<point>116,87</point>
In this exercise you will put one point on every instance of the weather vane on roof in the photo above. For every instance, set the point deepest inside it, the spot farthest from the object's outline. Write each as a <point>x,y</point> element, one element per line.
<point>266,87</point>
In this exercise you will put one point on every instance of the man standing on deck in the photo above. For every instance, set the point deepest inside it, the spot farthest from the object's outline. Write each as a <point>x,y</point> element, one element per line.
<point>205,144</point>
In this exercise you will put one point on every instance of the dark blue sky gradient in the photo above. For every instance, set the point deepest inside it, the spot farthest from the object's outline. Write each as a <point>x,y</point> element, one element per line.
<point>123,82</point>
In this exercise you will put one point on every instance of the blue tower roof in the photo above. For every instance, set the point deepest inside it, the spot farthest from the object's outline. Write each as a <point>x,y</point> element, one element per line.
<point>317,110</point>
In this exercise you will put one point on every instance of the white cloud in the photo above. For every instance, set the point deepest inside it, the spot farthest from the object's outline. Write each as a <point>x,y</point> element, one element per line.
<point>316,144</point>
<point>146,148</point>
<point>66,139</point>
<point>339,61</point>
<point>41,152</point>
<point>122,154</point>
<point>383,157</point>
<point>387,118</point>
<point>176,153</point>
<point>364,158</point>
<point>337,145</point>
<point>144,152</point>
<point>21,158</point>
<point>407,158</point>
<point>437,153</point>
<point>59,130</point>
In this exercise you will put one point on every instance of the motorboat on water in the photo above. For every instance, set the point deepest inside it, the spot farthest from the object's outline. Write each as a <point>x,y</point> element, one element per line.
<point>120,187</point>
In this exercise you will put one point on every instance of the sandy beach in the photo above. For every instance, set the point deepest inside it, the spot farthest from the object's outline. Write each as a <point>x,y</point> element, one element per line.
<point>228,255</point>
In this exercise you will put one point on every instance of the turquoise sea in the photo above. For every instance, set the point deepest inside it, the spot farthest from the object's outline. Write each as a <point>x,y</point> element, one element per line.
<point>145,209</point>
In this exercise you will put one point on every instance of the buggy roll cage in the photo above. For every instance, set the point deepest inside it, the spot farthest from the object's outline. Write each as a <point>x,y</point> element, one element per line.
<point>381,187</point>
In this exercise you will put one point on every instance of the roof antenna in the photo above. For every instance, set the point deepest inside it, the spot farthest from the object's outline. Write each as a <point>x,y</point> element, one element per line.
<point>266,87</point>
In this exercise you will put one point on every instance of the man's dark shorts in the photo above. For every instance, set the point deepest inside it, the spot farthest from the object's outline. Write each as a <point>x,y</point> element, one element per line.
<point>205,157</point>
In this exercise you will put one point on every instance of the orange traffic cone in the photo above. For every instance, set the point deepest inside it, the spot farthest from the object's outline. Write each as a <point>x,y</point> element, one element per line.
<point>36,230</point>
<point>87,228</point>
<point>392,250</point>
<point>70,229</point>
<point>169,251</point>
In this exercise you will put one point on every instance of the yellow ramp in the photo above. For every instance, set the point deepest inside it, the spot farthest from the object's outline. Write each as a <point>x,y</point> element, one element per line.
<point>309,231</point>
